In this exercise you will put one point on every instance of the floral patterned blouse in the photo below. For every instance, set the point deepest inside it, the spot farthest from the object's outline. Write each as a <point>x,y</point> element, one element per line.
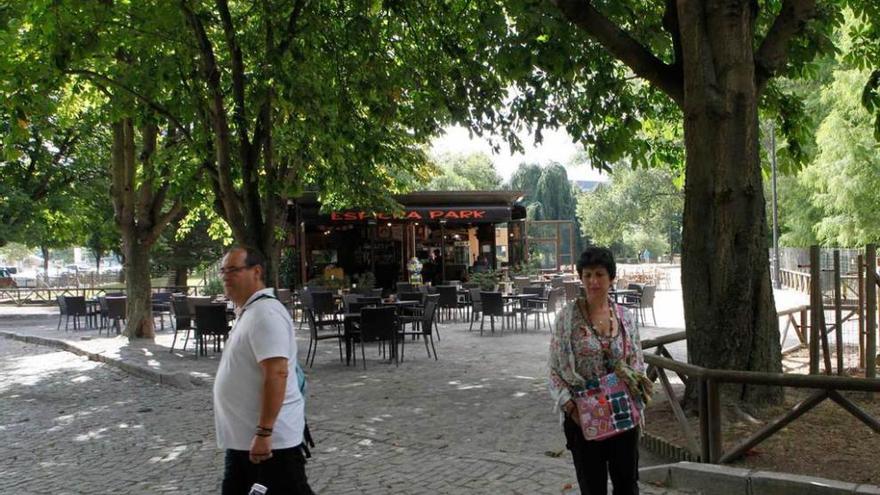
<point>576,353</point>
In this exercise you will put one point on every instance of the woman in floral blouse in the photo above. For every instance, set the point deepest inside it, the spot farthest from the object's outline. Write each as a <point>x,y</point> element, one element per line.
<point>588,343</point>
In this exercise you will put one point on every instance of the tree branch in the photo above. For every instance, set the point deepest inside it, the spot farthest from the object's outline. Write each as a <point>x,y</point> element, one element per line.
<point>45,180</point>
<point>623,46</point>
<point>671,25</point>
<point>773,53</point>
<point>290,33</point>
<point>147,101</point>
<point>146,198</point>
<point>175,213</point>
<point>239,114</point>
<point>216,114</point>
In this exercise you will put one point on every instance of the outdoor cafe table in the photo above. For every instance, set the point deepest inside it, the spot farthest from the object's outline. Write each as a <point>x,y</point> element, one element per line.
<point>93,308</point>
<point>349,318</point>
<point>619,295</point>
<point>402,305</point>
<point>516,300</point>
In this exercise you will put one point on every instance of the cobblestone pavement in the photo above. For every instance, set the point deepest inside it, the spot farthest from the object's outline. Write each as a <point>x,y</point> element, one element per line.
<point>70,425</point>
<point>476,421</point>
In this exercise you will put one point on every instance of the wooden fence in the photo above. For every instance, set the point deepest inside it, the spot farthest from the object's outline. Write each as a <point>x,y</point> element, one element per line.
<point>39,295</point>
<point>708,445</point>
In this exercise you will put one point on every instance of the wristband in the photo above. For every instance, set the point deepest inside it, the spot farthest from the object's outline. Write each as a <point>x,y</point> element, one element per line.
<point>259,434</point>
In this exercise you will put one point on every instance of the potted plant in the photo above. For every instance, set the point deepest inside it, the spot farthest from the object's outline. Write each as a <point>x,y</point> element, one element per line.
<point>331,283</point>
<point>213,287</point>
<point>364,281</point>
<point>487,280</point>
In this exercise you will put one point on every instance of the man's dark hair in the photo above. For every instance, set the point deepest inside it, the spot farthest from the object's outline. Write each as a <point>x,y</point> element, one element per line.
<point>597,256</point>
<point>253,257</point>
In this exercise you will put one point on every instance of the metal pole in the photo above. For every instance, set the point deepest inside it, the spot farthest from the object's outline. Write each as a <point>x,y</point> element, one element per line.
<point>558,240</point>
<point>443,251</point>
<point>871,311</point>
<point>303,267</point>
<point>861,264</point>
<point>776,270</point>
<point>838,317</point>
<point>371,225</point>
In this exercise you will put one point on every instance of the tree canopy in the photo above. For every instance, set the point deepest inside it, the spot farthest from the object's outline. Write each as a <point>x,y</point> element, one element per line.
<point>637,209</point>
<point>464,172</point>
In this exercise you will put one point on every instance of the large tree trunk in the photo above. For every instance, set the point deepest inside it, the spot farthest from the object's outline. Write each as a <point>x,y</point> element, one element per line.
<point>139,310</point>
<point>728,301</point>
<point>45,251</point>
<point>180,279</point>
<point>98,255</point>
<point>138,192</point>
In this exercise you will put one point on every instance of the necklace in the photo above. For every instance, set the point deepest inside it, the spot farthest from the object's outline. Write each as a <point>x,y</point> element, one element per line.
<point>592,327</point>
<point>604,341</point>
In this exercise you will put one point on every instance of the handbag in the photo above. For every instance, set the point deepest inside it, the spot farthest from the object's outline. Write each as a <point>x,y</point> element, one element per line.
<point>605,405</point>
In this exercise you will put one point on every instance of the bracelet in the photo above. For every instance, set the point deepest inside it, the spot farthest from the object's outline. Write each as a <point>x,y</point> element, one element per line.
<point>259,434</point>
<point>264,429</point>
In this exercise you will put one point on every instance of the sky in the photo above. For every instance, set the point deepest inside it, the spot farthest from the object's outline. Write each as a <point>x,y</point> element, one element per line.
<point>557,146</point>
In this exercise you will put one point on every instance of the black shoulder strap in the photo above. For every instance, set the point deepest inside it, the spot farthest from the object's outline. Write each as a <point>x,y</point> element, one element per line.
<point>261,296</point>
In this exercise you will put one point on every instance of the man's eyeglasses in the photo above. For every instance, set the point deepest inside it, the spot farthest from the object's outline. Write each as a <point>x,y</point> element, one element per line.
<point>229,270</point>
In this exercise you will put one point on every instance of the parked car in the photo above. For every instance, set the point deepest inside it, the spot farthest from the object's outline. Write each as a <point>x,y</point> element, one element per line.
<point>6,279</point>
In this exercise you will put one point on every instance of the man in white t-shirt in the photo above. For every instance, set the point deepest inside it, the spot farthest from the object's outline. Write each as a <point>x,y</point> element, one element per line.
<point>258,409</point>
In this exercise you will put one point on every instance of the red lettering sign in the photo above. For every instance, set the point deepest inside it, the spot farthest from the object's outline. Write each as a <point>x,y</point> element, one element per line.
<point>453,214</point>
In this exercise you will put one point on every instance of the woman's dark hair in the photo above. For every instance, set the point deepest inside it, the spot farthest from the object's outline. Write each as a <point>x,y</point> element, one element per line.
<point>597,256</point>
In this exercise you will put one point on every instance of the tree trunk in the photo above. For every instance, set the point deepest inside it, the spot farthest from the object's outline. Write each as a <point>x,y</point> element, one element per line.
<point>138,194</point>
<point>275,261</point>
<point>139,306</point>
<point>181,276</point>
<point>729,309</point>
<point>270,249</point>
<point>45,251</point>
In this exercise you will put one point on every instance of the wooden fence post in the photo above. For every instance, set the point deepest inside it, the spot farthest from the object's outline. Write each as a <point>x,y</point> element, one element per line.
<point>713,406</point>
<point>871,311</point>
<point>815,307</point>
<point>705,451</point>
<point>838,317</point>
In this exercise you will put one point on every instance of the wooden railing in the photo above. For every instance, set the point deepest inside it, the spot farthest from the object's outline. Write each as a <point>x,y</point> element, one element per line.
<point>708,447</point>
<point>800,281</point>
<point>797,280</point>
<point>38,295</point>
<point>799,324</point>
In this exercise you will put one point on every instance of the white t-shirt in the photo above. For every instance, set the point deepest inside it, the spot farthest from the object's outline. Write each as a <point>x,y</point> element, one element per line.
<point>264,330</point>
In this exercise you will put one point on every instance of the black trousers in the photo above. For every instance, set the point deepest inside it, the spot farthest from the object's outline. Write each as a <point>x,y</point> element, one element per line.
<point>594,461</point>
<point>283,474</point>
